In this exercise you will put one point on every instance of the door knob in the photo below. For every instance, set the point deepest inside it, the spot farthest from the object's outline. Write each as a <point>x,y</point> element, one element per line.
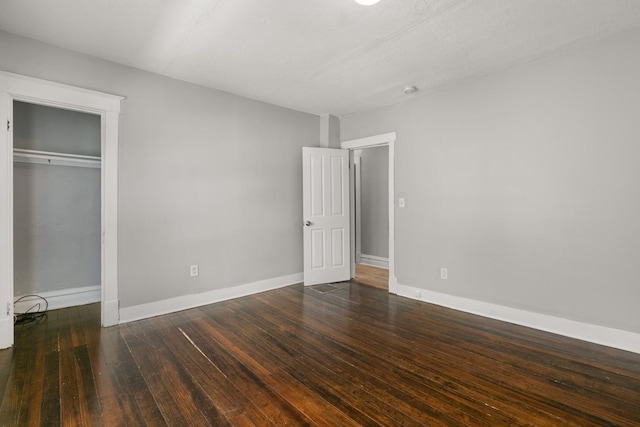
<point>307,223</point>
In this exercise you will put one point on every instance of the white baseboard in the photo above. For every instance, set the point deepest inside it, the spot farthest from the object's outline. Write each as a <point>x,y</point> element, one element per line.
<point>6,332</point>
<point>62,298</point>
<point>374,261</point>
<point>184,302</point>
<point>602,335</point>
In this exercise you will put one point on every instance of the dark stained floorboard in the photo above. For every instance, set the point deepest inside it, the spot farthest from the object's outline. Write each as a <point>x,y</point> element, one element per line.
<point>579,380</point>
<point>260,402</point>
<point>340,354</point>
<point>420,379</point>
<point>403,390</point>
<point>323,381</point>
<point>450,355</point>
<point>526,375</point>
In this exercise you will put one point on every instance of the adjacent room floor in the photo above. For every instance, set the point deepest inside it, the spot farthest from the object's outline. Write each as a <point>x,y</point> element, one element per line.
<point>339,354</point>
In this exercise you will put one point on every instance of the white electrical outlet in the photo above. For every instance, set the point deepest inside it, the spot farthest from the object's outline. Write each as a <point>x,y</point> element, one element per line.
<point>194,271</point>
<point>401,202</point>
<point>444,273</point>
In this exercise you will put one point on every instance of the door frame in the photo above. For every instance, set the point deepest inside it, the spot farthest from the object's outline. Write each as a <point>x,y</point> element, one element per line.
<point>386,139</point>
<point>107,106</point>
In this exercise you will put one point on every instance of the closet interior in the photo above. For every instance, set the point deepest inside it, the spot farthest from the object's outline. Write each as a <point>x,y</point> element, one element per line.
<point>56,207</point>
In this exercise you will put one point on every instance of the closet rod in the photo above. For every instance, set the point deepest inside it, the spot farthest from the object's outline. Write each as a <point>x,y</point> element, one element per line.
<point>58,159</point>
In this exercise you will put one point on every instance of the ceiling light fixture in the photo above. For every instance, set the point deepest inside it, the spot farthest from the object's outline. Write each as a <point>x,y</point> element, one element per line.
<point>367,2</point>
<point>408,90</point>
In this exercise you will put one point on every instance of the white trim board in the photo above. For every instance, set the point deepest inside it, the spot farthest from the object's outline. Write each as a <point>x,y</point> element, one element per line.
<point>374,261</point>
<point>369,141</point>
<point>6,329</point>
<point>596,334</point>
<point>38,91</point>
<point>185,302</point>
<point>63,298</point>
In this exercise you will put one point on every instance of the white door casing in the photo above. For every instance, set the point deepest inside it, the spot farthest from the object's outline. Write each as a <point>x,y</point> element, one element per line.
<point>388,139</point>
<point>356,204</point>
<point>326,217</point>
<point>36,91</point>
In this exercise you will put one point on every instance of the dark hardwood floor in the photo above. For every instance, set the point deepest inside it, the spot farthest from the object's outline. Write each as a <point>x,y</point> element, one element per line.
<point>372,276</point>
<point>329,355</point>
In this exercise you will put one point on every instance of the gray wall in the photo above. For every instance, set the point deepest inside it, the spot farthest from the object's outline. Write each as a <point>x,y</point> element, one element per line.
<point>42,128</point>
<point>525,185</point>
<point>56,228</point>
<point>206,177</point>
<point>56,208</point>
<point>374,167</point>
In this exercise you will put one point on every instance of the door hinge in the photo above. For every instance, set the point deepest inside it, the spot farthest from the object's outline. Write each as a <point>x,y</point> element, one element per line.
<point>8,308</point>
<point>8,125</point>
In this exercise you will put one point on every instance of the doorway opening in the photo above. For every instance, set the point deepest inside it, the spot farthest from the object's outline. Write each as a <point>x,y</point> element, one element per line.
<point>371,266</point>
<point>17,88</point>
<point>370,175</point>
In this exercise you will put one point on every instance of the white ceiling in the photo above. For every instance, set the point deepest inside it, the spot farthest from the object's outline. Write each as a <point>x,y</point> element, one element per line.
<point>318,56</point>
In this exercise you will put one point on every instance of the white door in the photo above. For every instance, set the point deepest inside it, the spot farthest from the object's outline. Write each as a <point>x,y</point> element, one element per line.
<point>325,209</point>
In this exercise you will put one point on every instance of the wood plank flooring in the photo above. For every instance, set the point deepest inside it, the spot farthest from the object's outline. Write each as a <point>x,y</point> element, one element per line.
<point>372,276</point>
<point>331,355</point>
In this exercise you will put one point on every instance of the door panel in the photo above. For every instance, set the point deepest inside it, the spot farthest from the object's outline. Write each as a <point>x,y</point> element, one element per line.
<point>317,249</point>
<point>326,215</point>
<point>337,185</point>
<point>337,240</point>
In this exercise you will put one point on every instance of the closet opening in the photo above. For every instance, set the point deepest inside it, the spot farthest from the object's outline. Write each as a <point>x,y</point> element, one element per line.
<point>43,93</point>
<point>56,209</point>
